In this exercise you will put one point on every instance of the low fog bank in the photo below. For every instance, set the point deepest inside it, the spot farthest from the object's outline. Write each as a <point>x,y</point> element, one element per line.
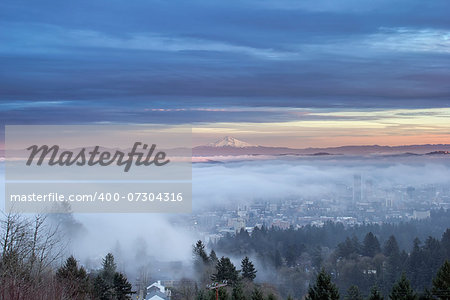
<point>144,245</point>
<point>242,182</point>
<point>152,246</point>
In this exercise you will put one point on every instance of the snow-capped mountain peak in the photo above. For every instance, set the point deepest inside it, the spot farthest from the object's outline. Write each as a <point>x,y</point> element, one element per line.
<point>229,141</point>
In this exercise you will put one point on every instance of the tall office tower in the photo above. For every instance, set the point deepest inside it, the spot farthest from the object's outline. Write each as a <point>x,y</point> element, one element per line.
<point>411,191</point>
<point>356,188</point>
<point>368,190</point>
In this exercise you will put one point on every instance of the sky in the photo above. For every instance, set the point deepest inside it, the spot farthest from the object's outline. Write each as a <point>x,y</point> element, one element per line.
<point>311,73</point>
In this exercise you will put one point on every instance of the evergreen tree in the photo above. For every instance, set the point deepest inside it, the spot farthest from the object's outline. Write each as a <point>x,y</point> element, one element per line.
<point>74,279</point>
<point>225,270</point>
<point>356,244</point>
<point>271,296</point>
<point>213,257</point>
<point>445,243</point>
<point>122,287</point>
<point>402,290</point>
<point>68,270</point>
<point>248,270</point>
<point>101,290</point>
<point>199,252</point>
<point>391,247</point>
<point>433,259</point>
<point>202,263</point>
<point>375,294</point>
<point>393,263</point>
<point>414,266</point>
<point>223,294</point>
<point>201,295</point>
<point>350,247</point>
<point>108,269</point>
<point>323,288</point>
<point>210,295</point>
<point>353,293</point>
<point>238,293</point>
<point>441,283</point>
<point>257,294</point>
<point>371,246</point>
<point>110,284</point>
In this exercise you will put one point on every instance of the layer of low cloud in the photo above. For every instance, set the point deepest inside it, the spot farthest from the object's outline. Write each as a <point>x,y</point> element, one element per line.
<point>245,181</point>
<point>140,241</point>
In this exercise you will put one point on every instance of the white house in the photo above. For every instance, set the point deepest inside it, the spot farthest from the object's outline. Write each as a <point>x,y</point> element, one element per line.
<point>156,291</point>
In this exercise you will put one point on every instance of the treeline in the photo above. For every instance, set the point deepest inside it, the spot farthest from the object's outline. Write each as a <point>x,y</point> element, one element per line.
<point>229,283</point>
<point>224,280</point>
<point>105,283</point>
<point>366,264</point>
<point>324,288</point>
<point>365,255</point>
<point>330,235</point>
<point>30,252</point>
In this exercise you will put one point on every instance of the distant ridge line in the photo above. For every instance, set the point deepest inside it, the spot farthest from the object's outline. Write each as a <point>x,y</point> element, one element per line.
<point>243,148</point>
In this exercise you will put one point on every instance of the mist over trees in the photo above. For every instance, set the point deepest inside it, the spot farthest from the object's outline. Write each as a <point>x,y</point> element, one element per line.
<point>364,260</point>
<point>231,283</point>
<point>31,251</point>
<point>323,284</point>
<point>322,287</point>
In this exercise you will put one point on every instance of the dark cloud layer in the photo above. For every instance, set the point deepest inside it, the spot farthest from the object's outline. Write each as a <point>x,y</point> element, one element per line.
<point>98,61</point>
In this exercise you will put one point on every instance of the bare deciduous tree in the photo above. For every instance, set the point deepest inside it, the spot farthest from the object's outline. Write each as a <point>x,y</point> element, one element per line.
<point>29,249</point>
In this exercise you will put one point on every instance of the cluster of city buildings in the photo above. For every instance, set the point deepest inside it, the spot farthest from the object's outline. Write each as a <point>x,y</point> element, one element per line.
<point>362,202</point>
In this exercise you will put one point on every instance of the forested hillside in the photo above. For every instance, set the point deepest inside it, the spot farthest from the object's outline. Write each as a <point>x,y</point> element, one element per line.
<point>363,256</point>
